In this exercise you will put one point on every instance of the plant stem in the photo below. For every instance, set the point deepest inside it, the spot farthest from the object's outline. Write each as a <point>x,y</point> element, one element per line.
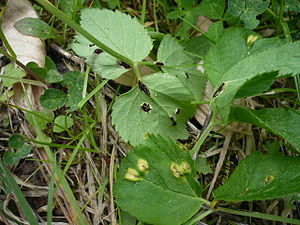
<point>143,12</point>
<point>199,217</point>
<point>136,71</point>
<point>258,215</point>
<point>59,14</point>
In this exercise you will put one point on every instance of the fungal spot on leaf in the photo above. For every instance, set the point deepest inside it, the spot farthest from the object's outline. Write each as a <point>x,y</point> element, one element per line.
<point>159,64</point>
<point>91,45</point>
<point>174,123</point>
<point>269,179</point>
<point>187,75</point>
<point>98,51</point>
<point>143,87</point>
<point>175,170</point>
<point>142,165</point>
<point>124,65</point>
<point>146,107</point>
<point>219,90</point>
<point>251,39</point>
<point>146,135</point>
<point>246,189</point>
<point>132,175</point>
<point>185,167</point>
<point>177,111</point>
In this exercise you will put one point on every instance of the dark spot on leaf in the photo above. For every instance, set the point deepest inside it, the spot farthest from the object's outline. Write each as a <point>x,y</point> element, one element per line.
<point>146,107</point>
<point>98,51</point>
<point>125,65</point>
<point>177,111</point>
<point>143,88</point>
<point>174,123</point>
<point>91,45</point>
<point>159,64</point>
<point>187,75</point>
<point>220,89</point>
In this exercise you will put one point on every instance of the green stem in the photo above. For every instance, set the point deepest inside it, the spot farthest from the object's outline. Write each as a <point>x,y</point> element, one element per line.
<point>203,136</point>
<point>12,55</point>
<point>199,217</point>
<point>143,12</point>
<point>136,71</point>
<point>154,16</point>
<point>258,215</point>
<point>59,14</point>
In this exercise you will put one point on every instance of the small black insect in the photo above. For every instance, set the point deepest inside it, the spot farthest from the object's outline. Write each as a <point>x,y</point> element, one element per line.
<point>159,64</point>
<point>146,107</point>
<point>219,90</point>
<point>144,88</point>
<point>187,75</point>
<point>177,111</point>
<point>174,123</point>
<point>91,45</point>
<point>125,65</point>
<point>98,51</point>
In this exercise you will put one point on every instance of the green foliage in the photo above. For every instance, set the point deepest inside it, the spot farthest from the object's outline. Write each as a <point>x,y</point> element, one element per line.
<point>35,27</point>
<point>62,123</point>
<point>42,118</point>
<point>272,120</point>
<point>12,75</point>
<point>213,9</point>
<point>260,177</point>
<point>53,99</point>
<point>156,182</point>
<point>254,63</point>
<point>118,31</point>
<point>248,10</point>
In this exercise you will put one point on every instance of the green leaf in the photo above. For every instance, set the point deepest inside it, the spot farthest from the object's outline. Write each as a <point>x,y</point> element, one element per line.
<point>15,73</point>
<point>212,9</point>
<point>197,47</point>
<point>35,27</point>
<point>40,118</point>
<point>181,66</point>
<point>292,5</point>
<point>164,112</point>
<point>53,99</point>
<point>53,76</point>
<point>215,30</point>
<point>62,123</point>
<point>248,10</point>
<point>260,177</point>
<point>202,166</point>
<point>12,158</point>
<point>74,81</point>
<point>281,121</point>
<point>71,7</point>
<point>283,59</point>
<point>118,31</point>
<point>152,186</point>
<point>16,141</point>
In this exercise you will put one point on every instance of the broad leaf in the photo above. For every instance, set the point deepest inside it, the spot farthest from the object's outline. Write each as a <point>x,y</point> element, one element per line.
<point>164,112</point>
<point>35,27</point>
<point>248,10</point>
<point>156,183</point>
<point>284,60</point>
<point>120,32</point>
<point>231,48</point>
<point>260,177</point>
<point>15,73</point>
<point>182,66</point>
<point>212,9</point>
<point>62,123</point>
<point>281,121</point>
<point>39,118</point>
<point>53,99</point>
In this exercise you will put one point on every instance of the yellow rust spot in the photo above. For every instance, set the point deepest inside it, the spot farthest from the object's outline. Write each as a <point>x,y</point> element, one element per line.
<point>214,204</point>
<point>175,170</point>
<point>185,167</point>
<point>251,39</point>
<point>146,135</point>
<point>142,165</point>
<point>132,175</point>
<point>269,179</point>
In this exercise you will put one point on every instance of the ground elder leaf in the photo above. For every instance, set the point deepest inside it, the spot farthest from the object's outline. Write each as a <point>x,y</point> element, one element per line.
<point>168,110</point>
<point>118,31</point>
<point>248,10</point>
<point>158,196</point>
<point>260,177</point>
<point>283,59</point>
<point>281,121</point>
